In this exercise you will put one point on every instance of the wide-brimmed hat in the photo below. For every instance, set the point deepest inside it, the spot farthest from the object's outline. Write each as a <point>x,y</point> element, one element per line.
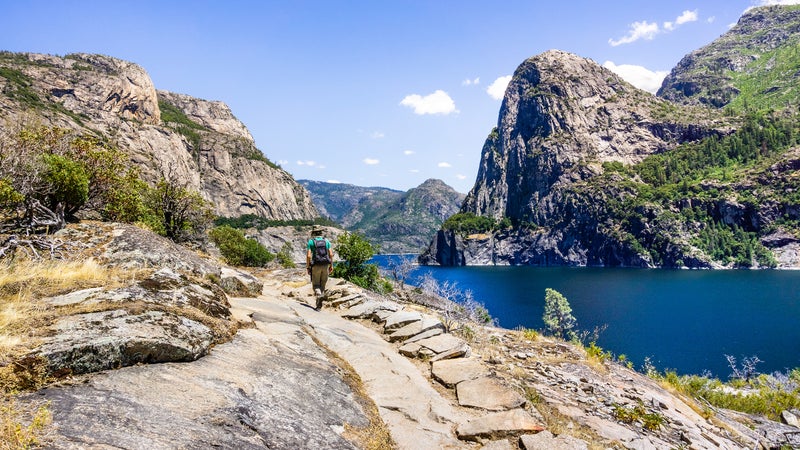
<point>317,231</point>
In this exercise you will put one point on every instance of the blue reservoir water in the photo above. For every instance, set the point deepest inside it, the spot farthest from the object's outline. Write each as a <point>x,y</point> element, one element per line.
<point>682,320</point>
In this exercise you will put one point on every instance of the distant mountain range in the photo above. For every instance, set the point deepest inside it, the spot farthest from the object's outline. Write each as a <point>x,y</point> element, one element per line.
<point>398,222</point>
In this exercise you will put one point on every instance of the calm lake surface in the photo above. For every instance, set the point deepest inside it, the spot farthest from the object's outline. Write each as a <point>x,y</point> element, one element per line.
<point>683,320</point>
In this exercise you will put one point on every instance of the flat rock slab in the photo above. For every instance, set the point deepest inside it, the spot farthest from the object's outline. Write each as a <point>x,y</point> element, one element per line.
<point>415,328</point>
<point>499,425</point>
<point>354,298</point>
<point>262,390</point>
<point>450,372</point>
<point>381,315</point>
<point>400,319</point>
<point>367,309</point>
<point>425,335</point>
<point>548,441</point>
<point>442,343</point>
<point>487,393</point>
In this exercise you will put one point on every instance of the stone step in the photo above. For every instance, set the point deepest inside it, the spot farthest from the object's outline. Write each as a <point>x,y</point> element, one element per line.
<point>400,319</point>
<point>450,372</point>
<point>498,425</point>
<point>415,328</point>
<point>487,393</point>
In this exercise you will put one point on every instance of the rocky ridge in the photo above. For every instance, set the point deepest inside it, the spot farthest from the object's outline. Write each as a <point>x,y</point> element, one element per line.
<point>117,102</point>
<point>715,75</point>
<point>398,222</point>
<point>283,375</point>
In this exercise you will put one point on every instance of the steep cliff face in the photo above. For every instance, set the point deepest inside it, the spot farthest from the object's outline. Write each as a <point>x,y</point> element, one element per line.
<point>198,142</point>
<point>561,118</point>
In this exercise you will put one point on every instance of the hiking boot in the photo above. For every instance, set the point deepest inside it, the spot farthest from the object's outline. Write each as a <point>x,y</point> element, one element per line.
<point>317,293</point>
<point>319,303</point>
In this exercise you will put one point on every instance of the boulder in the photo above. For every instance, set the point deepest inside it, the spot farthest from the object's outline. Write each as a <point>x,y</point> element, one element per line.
<point>240,284</point>
<point>98,341</point>
<point>791,417</point>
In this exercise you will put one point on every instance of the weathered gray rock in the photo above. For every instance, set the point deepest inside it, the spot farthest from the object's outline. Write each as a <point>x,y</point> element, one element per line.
<point>415,328</point>
<point>499,425</point>
<point>400,319</point>
<point>445,346</point>
<point>450,372</point>
<point>791,417</point>
<point>425,335</point>
<point>362,310</point>
<point>238,283</point>
<point>487,393</point>
<point>546,440</point>
<point>98,341</point>
<point>248,394</point>
<point>130,247</point>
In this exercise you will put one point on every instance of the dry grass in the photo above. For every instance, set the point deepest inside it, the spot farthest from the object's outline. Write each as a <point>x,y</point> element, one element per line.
<point>21,429</point>
<point>23,283</point>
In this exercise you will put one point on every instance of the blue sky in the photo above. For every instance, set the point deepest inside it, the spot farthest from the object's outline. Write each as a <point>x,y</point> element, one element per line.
<point>372,93</point>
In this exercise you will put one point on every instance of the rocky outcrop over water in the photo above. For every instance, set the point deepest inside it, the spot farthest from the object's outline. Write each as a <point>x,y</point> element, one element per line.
<point>365,366</point>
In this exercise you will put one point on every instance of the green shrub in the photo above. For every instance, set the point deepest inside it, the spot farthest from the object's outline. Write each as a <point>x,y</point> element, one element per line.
<point>468,223</point>
<point>175,211</point>
<point>69,183</point>
<point>355,250</point>
<point>284,256</point>
<point>557,317</point>
<point>238,250</point>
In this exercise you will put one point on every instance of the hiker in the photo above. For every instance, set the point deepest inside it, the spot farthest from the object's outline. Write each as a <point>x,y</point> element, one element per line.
<point>319,262</point>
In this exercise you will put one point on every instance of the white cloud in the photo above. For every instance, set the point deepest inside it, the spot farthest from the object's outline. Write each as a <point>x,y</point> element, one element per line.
<point>638,30</point>
<point>377,135</point>
<point>371,161</point>
<point>444,164</point>
<point>461,177</point>
<point>282,162</point>
<point>647,30</point>
<point>320,166</point>
<point>638,76</point>
<point>470,82</point>
<point>334,181</point>
<point>686,17</point>
<point>497,89</point>
<point>711,19</point>
<point>437,103</point>
<point>306,163</point>
<point>414,170</point>
<point>408,152</point>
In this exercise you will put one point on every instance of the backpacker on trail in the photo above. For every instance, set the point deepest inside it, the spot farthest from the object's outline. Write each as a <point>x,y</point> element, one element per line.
<point>321,255</point>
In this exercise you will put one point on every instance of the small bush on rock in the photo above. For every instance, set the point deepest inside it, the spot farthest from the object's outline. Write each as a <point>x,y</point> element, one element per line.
<point>238,250</point>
